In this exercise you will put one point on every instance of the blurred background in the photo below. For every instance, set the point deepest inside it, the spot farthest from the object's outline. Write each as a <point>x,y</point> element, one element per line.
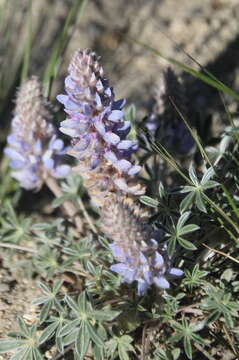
<point>40,36</point>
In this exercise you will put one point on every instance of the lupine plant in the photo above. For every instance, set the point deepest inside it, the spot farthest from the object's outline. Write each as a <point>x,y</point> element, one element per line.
<point>127,269</point>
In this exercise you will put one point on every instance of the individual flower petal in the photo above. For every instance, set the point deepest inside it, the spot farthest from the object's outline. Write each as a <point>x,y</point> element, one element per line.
<point>134,170</point>
<point>62,171</point>
<point>161,282</point>
<point>127,273</point>
<point>119,104</point>
<point>142,287</point>
<point>123,165</point>
<point>62,99</point>
<point>111,138</point>
<point>15,155</point>
<point>115,115</point>
<point>175,272</point>
<point>125,144</point>
<point>158,260</point>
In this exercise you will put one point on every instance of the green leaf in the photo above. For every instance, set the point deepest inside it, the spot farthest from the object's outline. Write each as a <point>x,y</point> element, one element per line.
<point>188,229</point>
<point>48,332</point>
<point>40,300</point>
<point>72,304</point>
<point>70,338</point>
<point>9,345</point>
<point>186,244</point>
<point>45,289</point>
<point>60,344</point>
<point>171,245</point>
<point>199,202</point>
<point>23,327</point>
<point>105,315</point>
<point>209,173</point>
<point>45,311</point>
<point>82,303</point>
<point>183,218</point>
<point>57,286</point>
<point>93,335</point>
<point>149,201</point>
<point>36,354</point>
<point>193,175</point>
<point>187,202</point>
<point>187,346</point>
<point>23,354</point>
<point>82,340</point>
<point>69,327</point>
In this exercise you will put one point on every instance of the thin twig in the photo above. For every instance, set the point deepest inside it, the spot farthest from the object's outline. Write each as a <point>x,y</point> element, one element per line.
<point>221,253</point>
<point>230,341</point>
<point>86,215</point>
<point>18,247</point>
<point>68,206</point>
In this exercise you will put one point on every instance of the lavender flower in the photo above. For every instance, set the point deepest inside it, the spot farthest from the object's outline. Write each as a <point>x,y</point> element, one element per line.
<point>99,142</point>
<point>135,246</point>
<point>165,123</point>
<point>95,123</point>
<point>33,147</point>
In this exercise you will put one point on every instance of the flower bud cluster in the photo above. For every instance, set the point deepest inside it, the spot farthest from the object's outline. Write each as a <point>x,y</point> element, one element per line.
<point>135,246</point>
<point>34,150</point>
<point>95,124</point>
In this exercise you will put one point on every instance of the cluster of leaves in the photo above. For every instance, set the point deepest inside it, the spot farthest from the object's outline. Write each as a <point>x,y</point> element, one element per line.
<point>103,319</point>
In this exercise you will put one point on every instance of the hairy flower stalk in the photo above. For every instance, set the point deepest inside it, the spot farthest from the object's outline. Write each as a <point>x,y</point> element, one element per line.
<point>99,142</point>
<point>35,152</point>
<point>165,122</point>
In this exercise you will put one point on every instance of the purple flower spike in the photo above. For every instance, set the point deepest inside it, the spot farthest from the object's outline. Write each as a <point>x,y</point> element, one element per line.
<point>33,147</point>
<point>93,112</point>
<point>135,247</point>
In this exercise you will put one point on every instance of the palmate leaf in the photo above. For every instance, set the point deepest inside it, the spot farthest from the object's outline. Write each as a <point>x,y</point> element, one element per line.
<point>120,345</point>
<point>185,331</point>
<point>27,343</point>
<point>195,278</point>
<point>176,233</point>
<point>50,300</point>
